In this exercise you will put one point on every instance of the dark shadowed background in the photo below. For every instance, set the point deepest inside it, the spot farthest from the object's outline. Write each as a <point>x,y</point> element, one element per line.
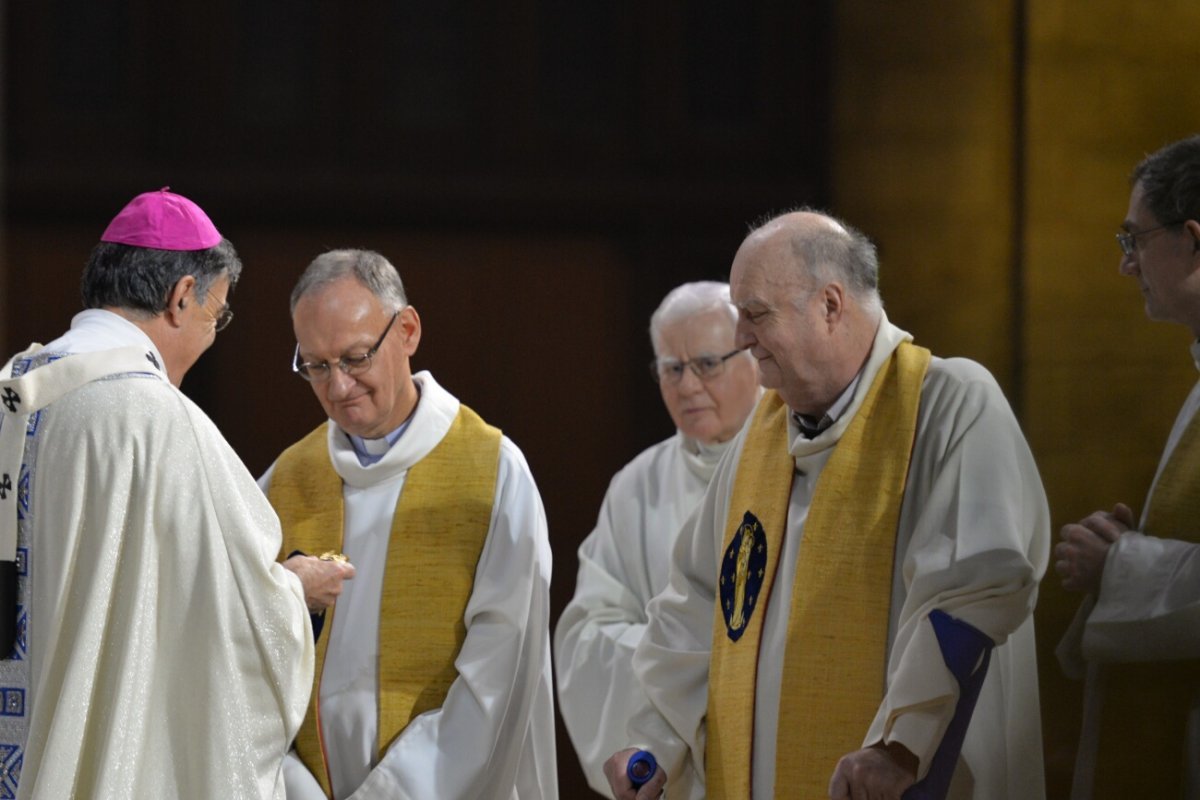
<point>541,173</point>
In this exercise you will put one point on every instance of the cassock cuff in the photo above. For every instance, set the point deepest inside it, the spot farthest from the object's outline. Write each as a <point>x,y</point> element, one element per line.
<point>1146,608</point>
<point>920,699</point>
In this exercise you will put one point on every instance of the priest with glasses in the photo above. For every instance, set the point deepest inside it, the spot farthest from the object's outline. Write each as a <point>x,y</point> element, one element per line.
<point>433,666</point>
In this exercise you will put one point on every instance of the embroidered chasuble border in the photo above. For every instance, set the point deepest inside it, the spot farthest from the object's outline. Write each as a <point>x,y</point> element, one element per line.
<point>834,670</point>
<point>24,402</point>
<point>437,534</point>
<point>14,668</point>
<point>1143,718</point>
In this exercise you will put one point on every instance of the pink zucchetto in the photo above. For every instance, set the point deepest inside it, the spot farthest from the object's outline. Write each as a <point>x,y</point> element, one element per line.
<point>162,220</point>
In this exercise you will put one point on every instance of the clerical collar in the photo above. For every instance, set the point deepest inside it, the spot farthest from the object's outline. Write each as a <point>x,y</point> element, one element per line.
<point>712,451</point>
<point>371,450</point>
<point>701,459</point>
<point>810,428</point>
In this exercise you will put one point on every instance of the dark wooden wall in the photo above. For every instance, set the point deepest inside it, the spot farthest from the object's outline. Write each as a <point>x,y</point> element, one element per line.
<point>541,173</point>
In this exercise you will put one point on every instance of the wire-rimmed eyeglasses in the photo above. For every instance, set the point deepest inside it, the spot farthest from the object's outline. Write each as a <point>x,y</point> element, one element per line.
<point>320,371</point>
<point>1128,239</point>
<point>222,318</point>
<point>705,367</point>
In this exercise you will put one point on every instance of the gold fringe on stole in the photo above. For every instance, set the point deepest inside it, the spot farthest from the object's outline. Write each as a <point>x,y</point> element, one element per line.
<point>834,670</point>
<point>437,535</point>
<point>1145,705</point>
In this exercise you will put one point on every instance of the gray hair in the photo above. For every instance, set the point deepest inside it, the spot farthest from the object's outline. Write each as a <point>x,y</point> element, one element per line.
<point>689,300</point>
<point>1170,180</point>
<point>140,279</point>
<point>366,266</point>
<point>828,253</point>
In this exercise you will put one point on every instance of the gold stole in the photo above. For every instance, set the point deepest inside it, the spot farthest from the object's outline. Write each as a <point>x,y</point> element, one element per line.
<point>834,668</point>
<point>437,534</point>
<point>1145,705</point>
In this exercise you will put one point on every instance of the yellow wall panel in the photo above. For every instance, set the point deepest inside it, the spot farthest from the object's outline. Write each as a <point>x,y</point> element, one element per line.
<point>922,162</point>
<point>1107,82</point>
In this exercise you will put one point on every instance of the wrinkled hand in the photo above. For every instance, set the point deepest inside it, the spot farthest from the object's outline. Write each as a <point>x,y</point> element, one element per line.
<point>322,580</point>
<point>1079,557</point>
<point>622,787</point>
<point>881,772</point>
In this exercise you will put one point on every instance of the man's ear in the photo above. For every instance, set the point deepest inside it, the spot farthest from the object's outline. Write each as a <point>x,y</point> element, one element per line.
<point>833,302</point>
<point>178,299</point>
<point>1192,228</point>
<point>409,324</point>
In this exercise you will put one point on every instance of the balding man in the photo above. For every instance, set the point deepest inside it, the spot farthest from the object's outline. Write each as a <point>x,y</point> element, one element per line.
<point>709,386</point>
<point>880,505</point>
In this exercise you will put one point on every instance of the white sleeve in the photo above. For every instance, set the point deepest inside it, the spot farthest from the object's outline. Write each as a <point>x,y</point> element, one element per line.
<point>672,659</point>
<point>1148,607</point>
<point>181,549</point>
<point>974,542</point>
<point>595,639</point>
<point>496,727</point>
<point>298,782</point>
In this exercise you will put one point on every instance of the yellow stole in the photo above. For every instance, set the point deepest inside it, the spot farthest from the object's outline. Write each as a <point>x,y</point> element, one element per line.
<point>834,668</point>
<point>1144,715</point>
<point>437,534</point>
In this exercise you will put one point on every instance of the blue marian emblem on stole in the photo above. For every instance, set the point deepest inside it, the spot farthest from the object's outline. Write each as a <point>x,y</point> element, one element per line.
<point>742,572</point>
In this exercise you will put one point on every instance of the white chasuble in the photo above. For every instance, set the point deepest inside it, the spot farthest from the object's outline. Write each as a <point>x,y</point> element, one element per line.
<point>1147,610</point>
<point>168,654</point>
<point>972,540</point>
<point>623,563</point>
<point>494,734</point>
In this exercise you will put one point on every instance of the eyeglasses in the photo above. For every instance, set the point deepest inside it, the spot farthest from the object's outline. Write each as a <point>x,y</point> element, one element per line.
<point>670,371</point>
<point>319,372</point>
<point>1128,240</point>
<point>222,318</point>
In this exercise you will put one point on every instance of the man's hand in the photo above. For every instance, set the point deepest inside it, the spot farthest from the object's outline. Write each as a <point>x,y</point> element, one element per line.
<point>622,787</point>
<point>879,772</point>
<point>322,580</point>
<point>1079,557</point>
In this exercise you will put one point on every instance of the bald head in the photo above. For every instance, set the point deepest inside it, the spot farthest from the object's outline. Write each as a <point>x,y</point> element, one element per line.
<point>827,249</point>
<point>806,288</point>
<point>799,222</point>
